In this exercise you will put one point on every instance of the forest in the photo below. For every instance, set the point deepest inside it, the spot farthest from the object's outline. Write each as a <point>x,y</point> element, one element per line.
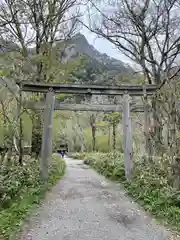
<point>37,45</point>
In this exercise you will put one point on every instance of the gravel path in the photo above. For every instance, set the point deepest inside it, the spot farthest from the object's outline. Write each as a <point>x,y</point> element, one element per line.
<point>85,206</point>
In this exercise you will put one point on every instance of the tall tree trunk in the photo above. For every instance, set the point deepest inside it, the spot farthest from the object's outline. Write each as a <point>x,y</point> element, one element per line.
<point>36,134</point>
<point>157,128</point>
<point>20,129</point>
<point>114,135</point>
<point>20,141</point>
<point>93,130</point>
<point>174,141</point>
<point>82,140</point>
<point>147,123</point>
<point>9,153</point>
<point>172,128</point>
<point>109,137</point>
<point>37,129</point>
<point>166,134</point>
<point>37,123</point>
<point>93,127</point>
<point>3,153</point>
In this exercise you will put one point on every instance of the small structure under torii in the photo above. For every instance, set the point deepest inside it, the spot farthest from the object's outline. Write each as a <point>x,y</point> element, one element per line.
<point>50,89</point>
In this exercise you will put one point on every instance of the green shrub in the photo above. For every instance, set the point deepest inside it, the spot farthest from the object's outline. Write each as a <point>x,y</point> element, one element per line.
<point>151,185</point>
<point>14,177</point>
<point>21,189</point>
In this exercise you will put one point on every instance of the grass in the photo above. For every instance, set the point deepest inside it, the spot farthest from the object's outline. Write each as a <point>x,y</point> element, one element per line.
<point>22,191</point>
<point>151,185</point>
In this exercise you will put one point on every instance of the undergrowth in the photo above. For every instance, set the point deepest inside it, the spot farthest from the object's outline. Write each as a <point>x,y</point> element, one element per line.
<point>78,155</point>
<point>151,185</point>
<point>21,190</point>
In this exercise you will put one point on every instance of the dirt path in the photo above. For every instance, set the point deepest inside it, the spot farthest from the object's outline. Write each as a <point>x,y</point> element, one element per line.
<point>85,206</point>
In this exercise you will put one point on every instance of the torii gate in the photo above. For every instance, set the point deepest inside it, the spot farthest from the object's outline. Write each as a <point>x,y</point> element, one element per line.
<point>50,89</point>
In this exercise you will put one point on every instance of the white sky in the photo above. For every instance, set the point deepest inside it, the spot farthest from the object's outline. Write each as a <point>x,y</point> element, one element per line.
<point>104,46</point>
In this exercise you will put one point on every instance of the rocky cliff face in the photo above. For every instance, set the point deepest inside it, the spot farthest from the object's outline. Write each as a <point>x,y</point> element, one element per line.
<point>79,45</point>
<point>100,68</point>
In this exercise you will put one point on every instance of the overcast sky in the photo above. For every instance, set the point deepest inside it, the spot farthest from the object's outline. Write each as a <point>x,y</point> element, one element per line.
<point>104,46</point>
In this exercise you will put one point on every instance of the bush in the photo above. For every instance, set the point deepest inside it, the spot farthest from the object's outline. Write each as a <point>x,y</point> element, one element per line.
<point>21,188</point>
<point>151,185</point>
<point>14,177</point>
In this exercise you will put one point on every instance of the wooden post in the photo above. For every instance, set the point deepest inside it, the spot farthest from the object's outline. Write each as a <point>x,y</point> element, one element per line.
<point>128,162</point>
<point>46,148</point>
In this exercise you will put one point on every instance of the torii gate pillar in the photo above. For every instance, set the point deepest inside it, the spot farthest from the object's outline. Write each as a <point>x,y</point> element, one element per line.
<point>46,148</point>
<point>127,130</point>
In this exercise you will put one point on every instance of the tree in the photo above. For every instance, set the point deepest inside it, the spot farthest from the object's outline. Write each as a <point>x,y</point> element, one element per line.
<point>113,119</point>
<point>11,102</point>
<point>38,24</point>
<point>92,120</point>
<point>147,32</point>
<point>89,71</point>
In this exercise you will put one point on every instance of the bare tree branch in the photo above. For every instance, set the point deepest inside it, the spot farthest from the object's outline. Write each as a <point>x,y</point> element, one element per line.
<point>146,31</point>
